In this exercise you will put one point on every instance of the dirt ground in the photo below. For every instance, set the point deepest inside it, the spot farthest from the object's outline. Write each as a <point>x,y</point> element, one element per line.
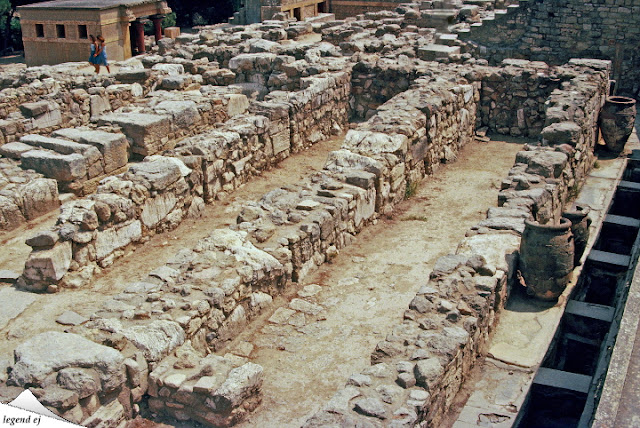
<point>364,291</point>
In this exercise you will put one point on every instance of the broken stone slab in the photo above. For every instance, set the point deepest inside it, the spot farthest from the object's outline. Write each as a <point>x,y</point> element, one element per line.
<point>12,303</point>
<point>63,168</point>
<point>241,383</point>
<point>112,146</point>
<point>48,266</point>
<point>145,131</point>
<point>36,108</point>
<point>156,339</point>
<point>52,351</point>
<point>434,52</point>
<point>10,214</point>
<point>159,171</point>
<point>71,318</point>
<point>14,150</point>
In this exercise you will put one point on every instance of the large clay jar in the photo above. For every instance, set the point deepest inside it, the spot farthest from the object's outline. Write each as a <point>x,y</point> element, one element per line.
<point>617,117</point>
<point>580,222</point>
<point>546,258</point>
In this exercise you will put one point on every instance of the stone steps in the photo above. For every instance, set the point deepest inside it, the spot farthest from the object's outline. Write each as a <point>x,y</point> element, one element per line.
<point>77,158</point>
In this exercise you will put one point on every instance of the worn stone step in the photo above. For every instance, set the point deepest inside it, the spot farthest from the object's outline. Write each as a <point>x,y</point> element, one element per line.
<point>448,39</point>
<point>433,52</point>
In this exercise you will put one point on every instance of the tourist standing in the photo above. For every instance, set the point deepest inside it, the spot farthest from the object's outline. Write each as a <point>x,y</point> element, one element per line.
<point>92,55</point>
<point>101,55</point>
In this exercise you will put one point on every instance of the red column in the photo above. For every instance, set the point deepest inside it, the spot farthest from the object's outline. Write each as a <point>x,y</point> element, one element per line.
<point>138,35</point>
<point>157,26</point>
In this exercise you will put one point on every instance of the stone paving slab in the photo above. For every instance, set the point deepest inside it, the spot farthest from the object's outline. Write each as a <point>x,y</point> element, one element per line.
<point>12,303</point>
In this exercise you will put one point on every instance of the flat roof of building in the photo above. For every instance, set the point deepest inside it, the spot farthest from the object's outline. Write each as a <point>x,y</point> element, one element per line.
<point>86,4</point>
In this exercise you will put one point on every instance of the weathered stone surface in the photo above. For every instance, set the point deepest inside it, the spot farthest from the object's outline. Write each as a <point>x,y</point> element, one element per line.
<point>71,318</point>
<point>45,238</point>
<point>53,165</point>
<point>239,385</point>
<point>156,339</point>
<point>117,237</point>
<point>49,352</point>
<point>50,264</point>
<point>12,303</point>
<point>427,372</point>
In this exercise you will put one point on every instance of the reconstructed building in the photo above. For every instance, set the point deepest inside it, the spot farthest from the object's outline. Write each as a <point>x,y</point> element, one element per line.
<point>58,31</point>
<point>252,11</point>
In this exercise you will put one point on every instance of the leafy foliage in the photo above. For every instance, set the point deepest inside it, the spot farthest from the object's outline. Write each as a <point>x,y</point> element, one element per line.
<point>186,13</point>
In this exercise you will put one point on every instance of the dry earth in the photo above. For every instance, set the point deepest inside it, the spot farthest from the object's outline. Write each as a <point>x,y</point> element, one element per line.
<point>364,291</point>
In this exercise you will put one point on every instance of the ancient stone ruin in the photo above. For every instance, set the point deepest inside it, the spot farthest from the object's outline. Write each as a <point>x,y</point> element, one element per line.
<point>139,151</point>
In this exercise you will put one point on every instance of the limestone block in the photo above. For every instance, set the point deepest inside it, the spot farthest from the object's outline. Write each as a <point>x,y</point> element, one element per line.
<point>107,416</point>
<point>113,147</point>
<point>145,131</point>
<point>169,69</point>
<point>160,172</point>
<point>38,197</point>
<point>156,339</point>
<point>36,108</point>
<point>111,239</point>
<point>52,351</point>
<point>48,265</point>
<point>372,143</point>
<point>241,383</point>
<point>14,150</point>
<point>184,113</point>
<point>237,104</point>
<point>156,209</point>
<point>98,105</point>
<point>84,382</point>
<point>562,133</point>
<point>10,214</point>
<point>547,163</point>
<point>499,249</point>
<point>171,83</point>
<point>48,119</point>
<point>63,168</point>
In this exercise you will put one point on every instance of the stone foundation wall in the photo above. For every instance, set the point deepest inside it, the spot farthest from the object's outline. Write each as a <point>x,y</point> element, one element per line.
<point>555,31</point>
<point>417,370</point>
<point>156,195</point>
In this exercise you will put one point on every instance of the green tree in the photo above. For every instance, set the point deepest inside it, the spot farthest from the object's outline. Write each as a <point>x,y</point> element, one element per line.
<point>10,34</point>
<point>189,13</point>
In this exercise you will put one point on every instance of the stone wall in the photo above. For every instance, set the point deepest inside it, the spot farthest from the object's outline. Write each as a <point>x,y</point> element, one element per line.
<point>417,370</point>
<point>157,194</point>
<point>555,31</point>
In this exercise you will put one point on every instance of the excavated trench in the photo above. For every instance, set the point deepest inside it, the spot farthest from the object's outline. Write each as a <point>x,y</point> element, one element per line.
<point>363,291</point>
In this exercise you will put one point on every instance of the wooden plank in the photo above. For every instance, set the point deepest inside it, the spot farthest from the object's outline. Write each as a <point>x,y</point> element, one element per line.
<point>561,379</point>
<point>609,258</point>
<point>590,310</point>
<point>620,220</point>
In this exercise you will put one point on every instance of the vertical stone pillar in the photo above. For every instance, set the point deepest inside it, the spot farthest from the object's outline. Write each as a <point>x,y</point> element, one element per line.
<point>157,26</point>
<point>138,36</point>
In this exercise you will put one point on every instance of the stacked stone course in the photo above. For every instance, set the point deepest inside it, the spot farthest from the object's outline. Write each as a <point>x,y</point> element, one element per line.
<point>158,337</point>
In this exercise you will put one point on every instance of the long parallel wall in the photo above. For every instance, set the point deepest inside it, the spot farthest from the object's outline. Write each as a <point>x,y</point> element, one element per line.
<point>155,337</point>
